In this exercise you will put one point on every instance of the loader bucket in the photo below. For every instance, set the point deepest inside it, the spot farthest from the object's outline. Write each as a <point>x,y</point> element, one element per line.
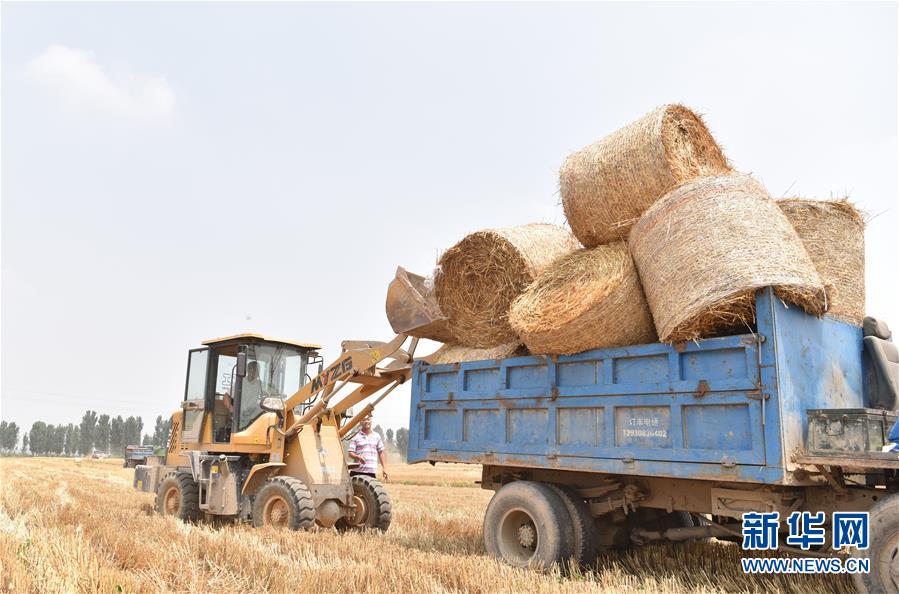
<point>412,308</point>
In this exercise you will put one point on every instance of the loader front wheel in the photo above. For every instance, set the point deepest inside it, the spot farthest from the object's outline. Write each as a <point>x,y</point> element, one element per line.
<point>179,496</point>
<point>284,502</point>
<point>372,504</point>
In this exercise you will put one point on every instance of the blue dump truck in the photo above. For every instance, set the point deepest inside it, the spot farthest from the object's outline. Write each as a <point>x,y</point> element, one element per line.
<point>617,446</point>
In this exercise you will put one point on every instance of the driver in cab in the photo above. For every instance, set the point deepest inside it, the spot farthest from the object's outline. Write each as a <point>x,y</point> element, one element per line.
<point>251,394</point>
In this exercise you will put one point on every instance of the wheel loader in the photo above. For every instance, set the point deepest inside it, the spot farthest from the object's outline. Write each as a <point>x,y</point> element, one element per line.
<point>258,439</point>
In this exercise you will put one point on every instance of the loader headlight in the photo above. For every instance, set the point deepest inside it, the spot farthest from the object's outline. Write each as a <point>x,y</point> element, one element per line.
<point>275,405</point>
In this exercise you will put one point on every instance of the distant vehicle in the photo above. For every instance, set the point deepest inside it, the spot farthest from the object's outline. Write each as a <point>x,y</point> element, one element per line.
<point>137,454</point>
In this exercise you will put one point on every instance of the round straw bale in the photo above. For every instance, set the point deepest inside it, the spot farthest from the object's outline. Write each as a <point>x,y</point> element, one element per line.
<point>833,233</point>
<point>705,248</point>
<point>479,277</point>
<point>607,185</point>
<point>588,299</point>
<point>458,353</point>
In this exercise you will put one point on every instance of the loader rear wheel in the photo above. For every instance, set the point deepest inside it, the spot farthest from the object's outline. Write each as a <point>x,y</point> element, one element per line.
<point>284,502</point>
<point>373,506</point>
<point>581,523</point>
<point>179,496</point>
<point>527,525</point>
<point>883,550</point>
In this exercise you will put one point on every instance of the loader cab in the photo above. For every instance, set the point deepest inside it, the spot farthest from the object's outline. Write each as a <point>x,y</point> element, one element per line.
<point>228,378</point>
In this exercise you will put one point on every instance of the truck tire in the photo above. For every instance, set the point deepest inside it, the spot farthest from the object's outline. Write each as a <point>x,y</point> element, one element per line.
<point>284,502</point>
<point>883,521</point>
<point>581,523</point>
<point>373,506</point>
<point>526,525</point>
<point>178,496</point>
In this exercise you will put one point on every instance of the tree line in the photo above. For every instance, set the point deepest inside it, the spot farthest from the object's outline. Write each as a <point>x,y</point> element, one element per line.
<point>110,435</point>
<point>398,440</point>
<point>96,433</point>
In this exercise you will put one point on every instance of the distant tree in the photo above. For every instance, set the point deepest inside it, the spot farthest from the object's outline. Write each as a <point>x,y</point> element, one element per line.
<point>390,437</point>
<point>56,438</point>
<point>9,435</point>
<point>379,431</point>
<point>402,441</point>
<point>25,443</point>
<point>88,432</point>
<point>161,431</point>
<point>147,440</point>
<point>102,434</point>
<point>71,443</point>
<point>117,435</point>
<point>37,438</point>
<point>76,439</point>
<point>132,431</point>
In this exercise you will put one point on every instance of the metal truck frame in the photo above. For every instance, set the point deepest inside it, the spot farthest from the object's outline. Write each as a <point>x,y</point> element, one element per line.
<point>661,441</point>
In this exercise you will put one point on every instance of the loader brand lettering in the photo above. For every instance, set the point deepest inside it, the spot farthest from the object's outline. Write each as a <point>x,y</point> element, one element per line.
<point>332,373</point>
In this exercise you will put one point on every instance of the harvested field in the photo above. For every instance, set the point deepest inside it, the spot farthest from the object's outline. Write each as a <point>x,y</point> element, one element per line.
<point>77,526</point>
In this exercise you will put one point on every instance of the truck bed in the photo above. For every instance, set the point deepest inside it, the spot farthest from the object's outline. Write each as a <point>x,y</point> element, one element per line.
<point>729,408</point>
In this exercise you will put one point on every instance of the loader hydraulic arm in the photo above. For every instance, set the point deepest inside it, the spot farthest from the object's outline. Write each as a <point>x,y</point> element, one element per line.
<point>358,364</point>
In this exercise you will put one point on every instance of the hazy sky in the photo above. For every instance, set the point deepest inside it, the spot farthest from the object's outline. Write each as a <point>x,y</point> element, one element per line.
<point>175,172</point>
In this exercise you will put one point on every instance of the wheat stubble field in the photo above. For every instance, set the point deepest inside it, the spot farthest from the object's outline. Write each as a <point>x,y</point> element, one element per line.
<point>77,526</point>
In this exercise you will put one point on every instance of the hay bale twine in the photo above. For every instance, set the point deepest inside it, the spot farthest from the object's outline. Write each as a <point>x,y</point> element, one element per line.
<point>589,299</point>
<point>478,278</point>
<point>458,353</point>
<point>705,248</point>
<point>833,233</point>
<point>607,185</point>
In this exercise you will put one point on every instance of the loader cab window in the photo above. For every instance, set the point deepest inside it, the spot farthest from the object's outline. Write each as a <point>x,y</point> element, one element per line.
<point>195,392</point>
<point>272,370</point>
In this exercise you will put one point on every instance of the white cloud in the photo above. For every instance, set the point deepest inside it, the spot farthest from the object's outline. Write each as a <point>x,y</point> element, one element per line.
<point>73,77</point>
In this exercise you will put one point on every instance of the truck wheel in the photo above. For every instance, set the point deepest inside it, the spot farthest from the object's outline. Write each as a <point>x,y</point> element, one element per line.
<point>373,506</point>
<point>581,523</point>
<point>179,496</point>
<point>883,521</point>
<point>526,525</point>
<point>284,502</point>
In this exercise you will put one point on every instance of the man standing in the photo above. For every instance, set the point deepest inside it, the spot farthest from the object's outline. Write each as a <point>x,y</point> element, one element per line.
<point>368,449</point>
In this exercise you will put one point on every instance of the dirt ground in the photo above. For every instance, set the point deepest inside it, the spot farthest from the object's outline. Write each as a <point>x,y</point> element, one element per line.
<point>69,525</point>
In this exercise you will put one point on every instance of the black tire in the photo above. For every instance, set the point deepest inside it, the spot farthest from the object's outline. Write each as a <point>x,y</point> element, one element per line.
<point>284,502</point>
<point>883,521</point>
<point>526,525</point>
<point>178,495</point>
<point>584,531</point>
<point>373,505</point>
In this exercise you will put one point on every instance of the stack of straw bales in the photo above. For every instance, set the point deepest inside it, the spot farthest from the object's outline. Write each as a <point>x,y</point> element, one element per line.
<point>478,278</point>
<point>833,233</point>
<point>607,185</point>
<point>707,246</point>
<point>458,353</point>
<point>588,299</point>
<point>675,245</point>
